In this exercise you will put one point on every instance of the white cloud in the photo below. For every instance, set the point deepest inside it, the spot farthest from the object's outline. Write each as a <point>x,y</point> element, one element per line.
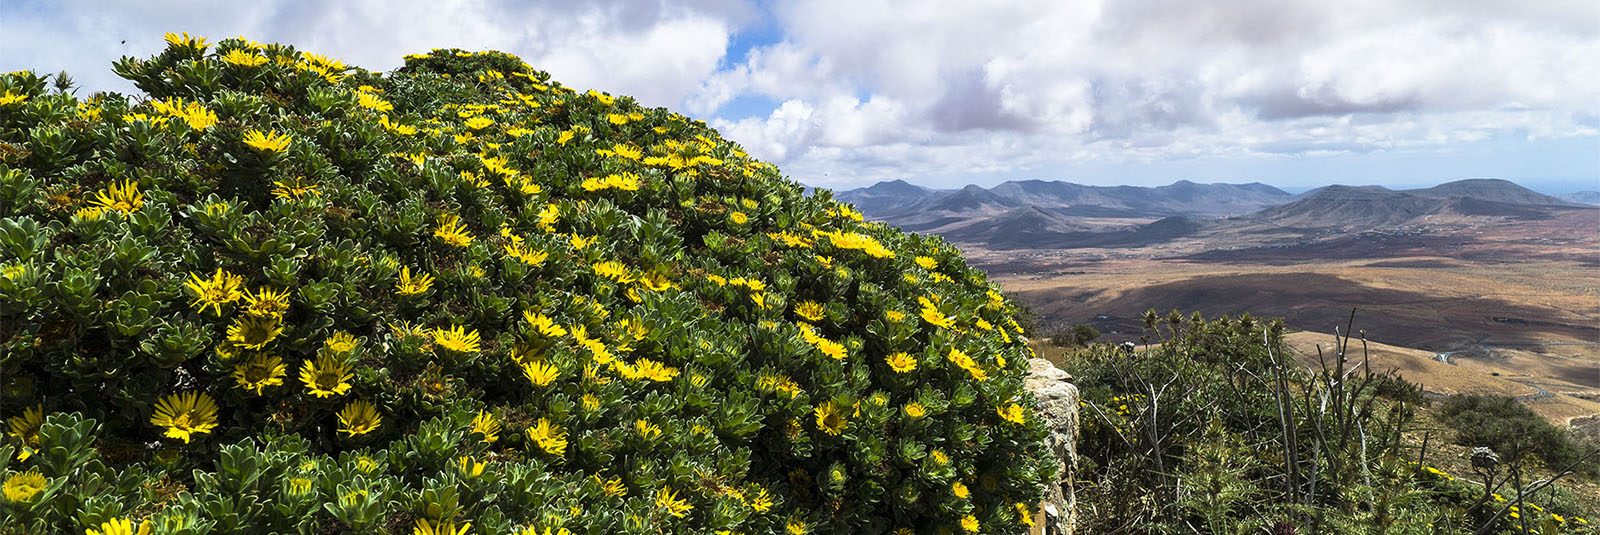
<point>1154,79</point>
<point>655,51</point>
<point>875,89</point>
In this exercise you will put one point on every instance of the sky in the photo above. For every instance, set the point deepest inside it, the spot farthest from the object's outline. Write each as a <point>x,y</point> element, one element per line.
<point>846,93</point>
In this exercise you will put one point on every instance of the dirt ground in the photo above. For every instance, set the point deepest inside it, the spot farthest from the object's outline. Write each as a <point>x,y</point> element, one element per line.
<point>1513,306</point>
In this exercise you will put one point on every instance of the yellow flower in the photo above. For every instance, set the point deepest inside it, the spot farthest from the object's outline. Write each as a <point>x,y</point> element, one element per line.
<point>266,303</point>
<point>936,318</point>
<point>266,141</point>
<point>543,324</point>
<point>479,123</point>
<point>22,486</point>
<point>964,361</point>
<point>622,181</point>
<point>667,499</point>
<point>927,262</point>
<point>259,372</point>
<point>293,190</point>
<point>325,377</point>
<point>549,437</point>
<point>243,58</point>
<point>222,288</point>
<point>1023,514</point>
<point>612,487</point>
<point>452,231</point>
<point>26,429</point>
<point>969,523</point>
<point>340,343</point>
<point>441,527</point>
<point>960,490</point>
<point>359,417</point>
<point>413,286</point>
<point>124,197</point>
<point>830,419</point>
<point>469,468</point>
<point>485,424</point>
<point>185,41</point>
<point>738,218</point>
<point>122,526</point>
<point>402,129</point>
<point>652,370</point>
<point>254,333</point>
<point>540,373</point>
<point>647,429</point>
<point>901,362</point>
<point>915,410</point>
<point>12,98</point>
<point>795,526</point>
<point>372,102</point>
<point>613,270</point>
<point>186,414</point>
<point>457,338</point>
<point>299,486</point>
<point>1013,413</point>
<point>939,457</point>
<point>810,310</point>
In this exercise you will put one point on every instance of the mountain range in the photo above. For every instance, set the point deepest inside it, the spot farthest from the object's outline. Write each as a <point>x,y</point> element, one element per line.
<point>1036,214</point>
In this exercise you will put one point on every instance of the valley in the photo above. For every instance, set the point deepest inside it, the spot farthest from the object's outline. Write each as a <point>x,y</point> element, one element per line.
<point>1501,281</point>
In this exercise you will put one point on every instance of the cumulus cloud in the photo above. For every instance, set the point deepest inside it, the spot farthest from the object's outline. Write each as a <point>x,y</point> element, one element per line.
<point>657,51</point>
<point>865,90</point>
<point>1140,79</point>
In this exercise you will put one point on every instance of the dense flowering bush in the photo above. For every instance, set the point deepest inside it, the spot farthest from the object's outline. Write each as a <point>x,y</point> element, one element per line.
<point>280,294</point>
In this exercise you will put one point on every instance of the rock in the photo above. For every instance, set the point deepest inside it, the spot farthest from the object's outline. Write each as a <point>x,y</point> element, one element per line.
<point>1058,406</point>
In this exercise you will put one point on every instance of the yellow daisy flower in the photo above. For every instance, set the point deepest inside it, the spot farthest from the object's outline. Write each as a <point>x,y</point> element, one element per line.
<point>549,437</point>
<point>185,414</point>
<point>457,339</point>
<point>122,526</point>
<point>266,141</point>
<point>123,197</point>
<point>668,499</point>
<point>810,310</point>
<point>413,286</point>
<point>259,372</point>
<point>901,362</point>
<point>485,424</point>
<point>21,487</point>
<point>222,288</point>
<point>266,303</point>
<point>341,342</point>
<point>254,333</point>
<point>358,418</point>
<point>26,429</point>
<point>452,231</point>
<point>540,373</point>
<point>1013,413</point>
<point>325,377</point>
<point>243,58</point>
<point>830,419</point>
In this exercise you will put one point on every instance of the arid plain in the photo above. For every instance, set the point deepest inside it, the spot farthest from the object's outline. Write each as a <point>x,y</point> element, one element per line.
<point>1485,305</point>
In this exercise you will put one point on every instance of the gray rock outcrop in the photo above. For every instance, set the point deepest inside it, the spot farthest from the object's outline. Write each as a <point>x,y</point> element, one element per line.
<point>1058,406</point>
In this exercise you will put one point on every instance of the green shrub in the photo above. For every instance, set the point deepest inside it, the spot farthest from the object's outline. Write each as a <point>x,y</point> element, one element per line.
<point>1217,430</point>
<point>279,294</point>
<point>1513,431</point>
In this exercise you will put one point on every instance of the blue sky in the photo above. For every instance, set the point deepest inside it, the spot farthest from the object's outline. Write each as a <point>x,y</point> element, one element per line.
<point>845,93</point>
